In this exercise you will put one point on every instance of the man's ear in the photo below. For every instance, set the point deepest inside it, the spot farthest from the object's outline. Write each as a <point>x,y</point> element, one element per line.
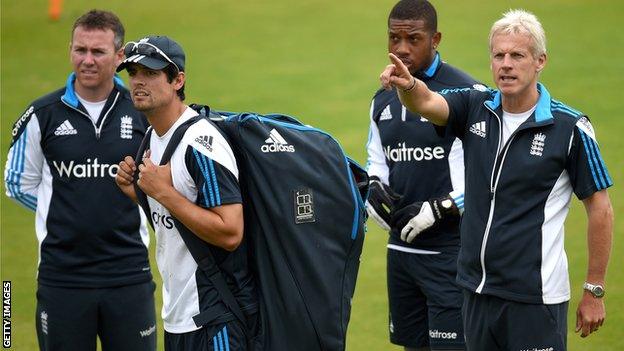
<point>179,80</point>
<point>541,62</point>
<point>119,57</point>
<point>435,40</point>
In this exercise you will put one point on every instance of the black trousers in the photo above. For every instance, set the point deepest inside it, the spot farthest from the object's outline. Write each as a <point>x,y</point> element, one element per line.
<point>492,323</point>
<point>425,302</point>
<point>72,318</point>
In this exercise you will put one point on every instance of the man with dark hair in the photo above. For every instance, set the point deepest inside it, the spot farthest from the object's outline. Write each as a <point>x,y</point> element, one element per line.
<point>421,212</point>
<point>94,277</point>
<point>526,153</point>
<point>102,20</point>
<point>196,193</point>
<point>415,10</point>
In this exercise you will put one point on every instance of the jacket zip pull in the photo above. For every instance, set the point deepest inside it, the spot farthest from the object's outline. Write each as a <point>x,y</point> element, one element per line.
<point>98,129</point>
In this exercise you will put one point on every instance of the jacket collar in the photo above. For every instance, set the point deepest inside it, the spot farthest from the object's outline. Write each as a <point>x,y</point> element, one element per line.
<point>70,97</point>
<point>432,69</point>
<point>542,111</point>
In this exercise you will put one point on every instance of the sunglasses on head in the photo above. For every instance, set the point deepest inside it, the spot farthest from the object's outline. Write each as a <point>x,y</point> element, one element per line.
<point>147,49</point>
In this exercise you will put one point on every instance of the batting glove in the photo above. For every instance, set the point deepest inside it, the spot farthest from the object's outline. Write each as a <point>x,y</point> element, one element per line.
<point>419,216</point>
<point>380,203</point>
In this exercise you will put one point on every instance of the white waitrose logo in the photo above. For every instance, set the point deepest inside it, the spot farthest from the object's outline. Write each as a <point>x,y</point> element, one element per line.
<point>435,334</point>
<point>403,153</point>
<point>276,143</point>
<point>147,332</point>
<point>537,146</point>
<point>44,322</point>
<point>91,169</point>
<point>65,128</point>
<point>539,349</point>
<point>125,129</point>
<point>478,129</point>
<point>21,120</point>
<point>386,115</point>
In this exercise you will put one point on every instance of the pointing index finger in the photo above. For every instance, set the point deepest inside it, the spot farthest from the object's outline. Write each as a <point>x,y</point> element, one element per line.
<point>401,68</point>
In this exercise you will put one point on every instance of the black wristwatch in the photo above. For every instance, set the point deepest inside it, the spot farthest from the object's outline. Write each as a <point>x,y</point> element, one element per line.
<point>596,290</point>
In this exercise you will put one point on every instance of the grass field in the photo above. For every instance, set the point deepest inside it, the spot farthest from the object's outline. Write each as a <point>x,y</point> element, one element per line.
<point>319,60</point>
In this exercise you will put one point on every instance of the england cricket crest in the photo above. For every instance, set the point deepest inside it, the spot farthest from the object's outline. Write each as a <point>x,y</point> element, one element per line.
<point>537,146</point>
<point>125,128</point>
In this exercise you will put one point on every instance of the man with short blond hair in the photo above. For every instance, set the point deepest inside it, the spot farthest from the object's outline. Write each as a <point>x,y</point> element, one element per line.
<point>525,155</point>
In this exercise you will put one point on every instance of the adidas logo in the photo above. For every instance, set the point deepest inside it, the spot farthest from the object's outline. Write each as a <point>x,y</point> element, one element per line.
<point>386,115</point>
<point>478,128</point>
<point>537,146</point>
<point>205,141</point>
<point>276,143</point>
<point>65,129</point>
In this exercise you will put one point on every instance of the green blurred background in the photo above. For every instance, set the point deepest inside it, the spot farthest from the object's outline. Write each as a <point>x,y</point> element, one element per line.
<point>319,60</point>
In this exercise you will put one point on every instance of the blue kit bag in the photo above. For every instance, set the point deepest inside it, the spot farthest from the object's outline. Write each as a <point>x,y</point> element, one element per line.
<point>303,202</point>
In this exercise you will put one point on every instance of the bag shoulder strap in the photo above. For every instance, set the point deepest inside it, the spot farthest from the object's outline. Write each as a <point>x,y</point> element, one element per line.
<point>141,197</point>
<point>177,136</point>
